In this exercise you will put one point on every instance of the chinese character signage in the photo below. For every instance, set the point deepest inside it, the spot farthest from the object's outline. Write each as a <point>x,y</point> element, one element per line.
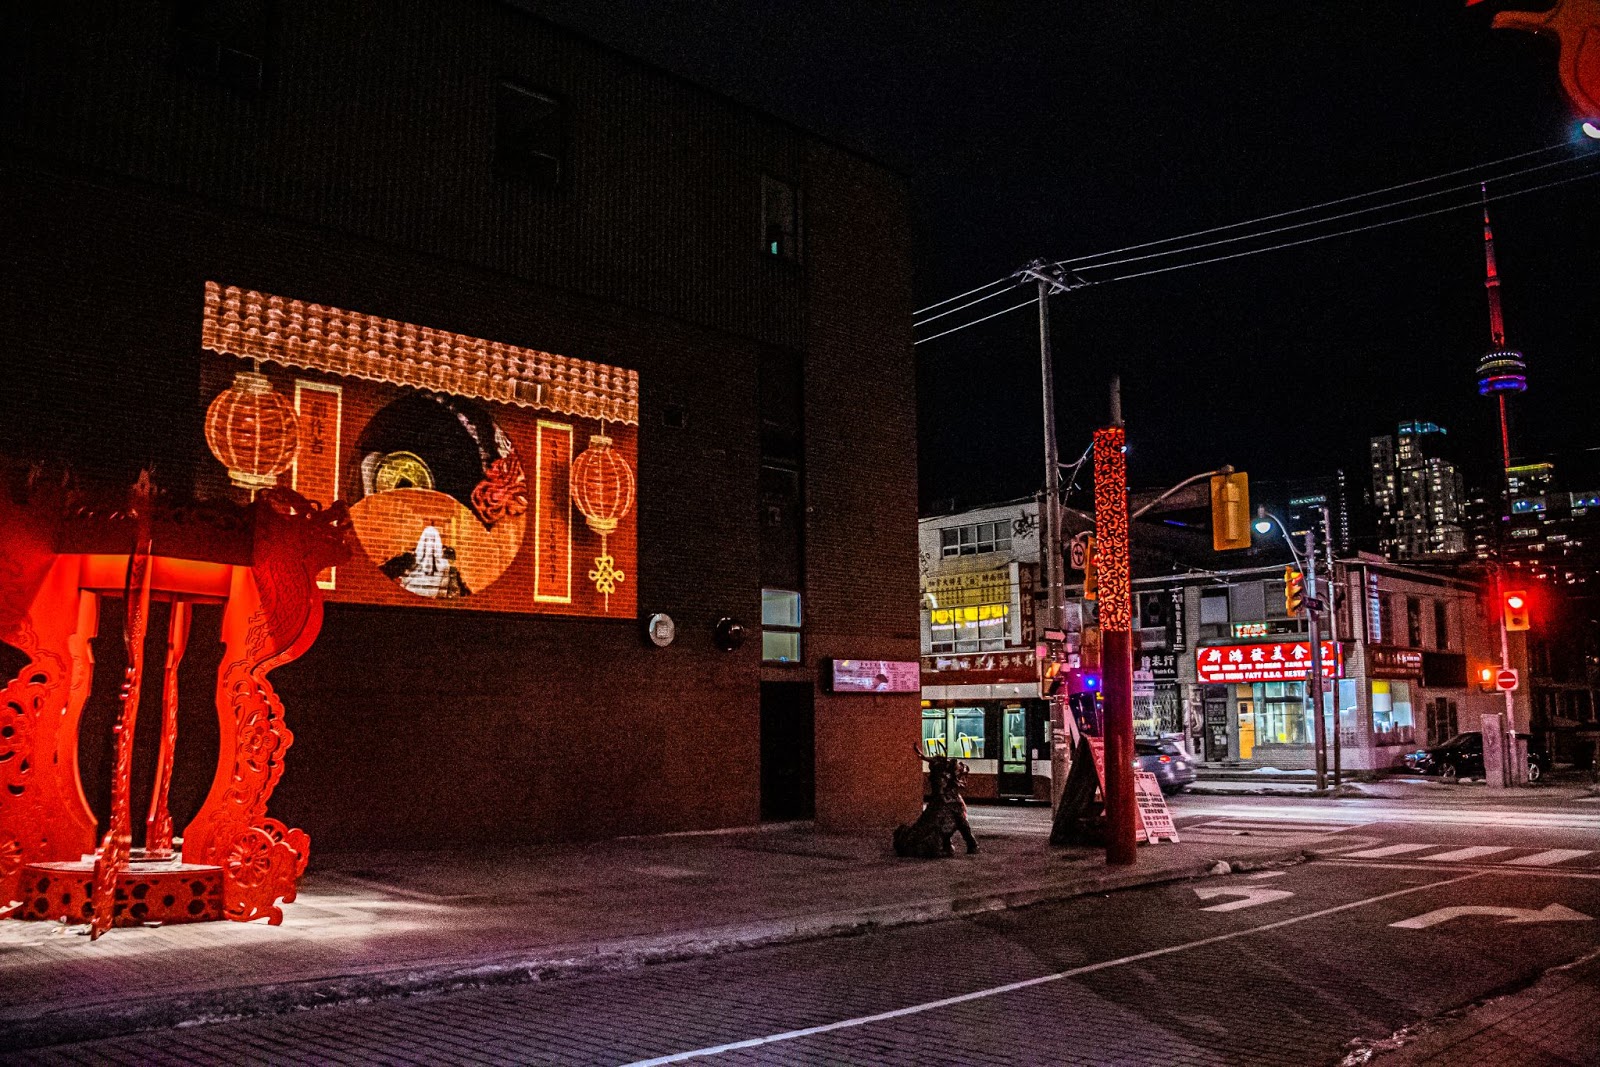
<point>1277,661</point>
<point>874,676</point>
<point>967,590</point>
<point>981,668</point>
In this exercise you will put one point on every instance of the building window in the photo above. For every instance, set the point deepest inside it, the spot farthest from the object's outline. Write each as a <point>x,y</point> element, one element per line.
<point>1441,625</point>
<point>222,41</point>
<point>1213,607</point>
<point>1282,716</point>
<point>979,628</point>
<point>1413,622</point>
<point>780,220</point>
<point>1442,716</point>
<point>957,732</point>
<point>1392,723</point>
<point>975,538</point>
<point>529,135</point>
<point>780,626</point>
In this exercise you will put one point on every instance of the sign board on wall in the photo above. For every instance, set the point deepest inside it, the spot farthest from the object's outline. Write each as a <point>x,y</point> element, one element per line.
<point>1274,661</point>
<point>873,676</point>
<point>981,668</point>
<point>968,590</point>
<point>479,475</point>
<point>1384,662</point>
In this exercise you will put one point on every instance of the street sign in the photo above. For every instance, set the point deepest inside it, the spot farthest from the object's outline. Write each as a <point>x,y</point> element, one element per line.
<point>1506,679</point>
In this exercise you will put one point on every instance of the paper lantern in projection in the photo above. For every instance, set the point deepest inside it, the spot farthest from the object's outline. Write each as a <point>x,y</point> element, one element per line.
<point>602,488</point>
<point>253,431</point>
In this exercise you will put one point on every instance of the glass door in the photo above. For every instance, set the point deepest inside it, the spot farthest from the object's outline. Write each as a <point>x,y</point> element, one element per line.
<point>1016,776</point>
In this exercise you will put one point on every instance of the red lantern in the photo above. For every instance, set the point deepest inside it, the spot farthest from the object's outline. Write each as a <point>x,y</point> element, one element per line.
<point>602,488</point>
<point>253,431</point>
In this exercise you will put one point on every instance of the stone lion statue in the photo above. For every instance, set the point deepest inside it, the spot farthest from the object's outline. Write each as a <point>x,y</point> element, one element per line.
<point>944,816</point>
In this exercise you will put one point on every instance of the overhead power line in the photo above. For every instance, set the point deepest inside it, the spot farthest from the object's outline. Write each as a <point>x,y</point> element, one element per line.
<point>1313,207</point>
<point>1475,202</point>
<point>1473,185</point>
<point>958,296</point>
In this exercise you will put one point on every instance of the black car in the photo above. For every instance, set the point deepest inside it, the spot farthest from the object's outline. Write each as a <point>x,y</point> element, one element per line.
<point>1462,757</point>
<point>1166,761</point>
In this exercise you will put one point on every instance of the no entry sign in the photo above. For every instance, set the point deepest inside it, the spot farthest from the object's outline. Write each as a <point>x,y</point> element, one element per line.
<point>1505,678</point>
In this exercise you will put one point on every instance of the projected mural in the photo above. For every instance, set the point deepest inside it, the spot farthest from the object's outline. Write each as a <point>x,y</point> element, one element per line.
<point>478,474</point>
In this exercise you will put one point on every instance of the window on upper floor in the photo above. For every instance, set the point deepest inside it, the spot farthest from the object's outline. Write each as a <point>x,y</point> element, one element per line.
<point>1441,625</point>
<point>530,139</point>
<point>222,41</point>
<point>1413,622</point>
<point>975,538</point>
<point>780,219</point>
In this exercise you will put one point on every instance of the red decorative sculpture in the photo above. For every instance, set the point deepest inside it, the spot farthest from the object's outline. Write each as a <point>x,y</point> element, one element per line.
<point>56,563</point>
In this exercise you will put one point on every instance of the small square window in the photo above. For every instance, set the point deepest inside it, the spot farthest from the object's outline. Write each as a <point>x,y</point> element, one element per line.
<point>780,646</point>
<point>780,220</point>
<point>529,135</point>
<point>779,607</point>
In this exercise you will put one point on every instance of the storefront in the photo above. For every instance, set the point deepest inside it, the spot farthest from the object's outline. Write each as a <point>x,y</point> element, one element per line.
<point>1255,703</point>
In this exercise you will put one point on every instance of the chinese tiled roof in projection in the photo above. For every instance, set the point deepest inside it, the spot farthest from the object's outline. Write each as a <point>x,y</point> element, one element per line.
<point>479,475</point>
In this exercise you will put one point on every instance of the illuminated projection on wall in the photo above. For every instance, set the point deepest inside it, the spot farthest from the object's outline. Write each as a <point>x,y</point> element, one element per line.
<point>478,474</point>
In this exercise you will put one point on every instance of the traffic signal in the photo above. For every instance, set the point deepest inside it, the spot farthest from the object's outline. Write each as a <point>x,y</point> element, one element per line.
<point>1294,590</point>
<point>1091,575</point>
<point>1514,602</point>
<point>1052,677</point>
<point>1230,511</point>
<point>1486,678</point>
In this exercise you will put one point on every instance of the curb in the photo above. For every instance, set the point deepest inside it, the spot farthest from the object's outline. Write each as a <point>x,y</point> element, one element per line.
<point>67,1024</point>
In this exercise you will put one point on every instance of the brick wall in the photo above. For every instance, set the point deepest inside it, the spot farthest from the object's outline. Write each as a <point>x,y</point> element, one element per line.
<point>358,178</point>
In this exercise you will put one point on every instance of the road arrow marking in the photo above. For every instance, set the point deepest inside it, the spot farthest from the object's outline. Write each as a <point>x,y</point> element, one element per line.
<point>1550,913</point>
<point>1252,895</point>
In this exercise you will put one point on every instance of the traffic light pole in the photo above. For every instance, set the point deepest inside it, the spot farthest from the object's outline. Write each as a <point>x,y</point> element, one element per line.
<point>1333,637</point>
<point>1314,683</point>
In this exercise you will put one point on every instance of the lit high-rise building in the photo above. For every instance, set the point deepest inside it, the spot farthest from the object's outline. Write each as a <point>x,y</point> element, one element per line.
<point>1418,494</point>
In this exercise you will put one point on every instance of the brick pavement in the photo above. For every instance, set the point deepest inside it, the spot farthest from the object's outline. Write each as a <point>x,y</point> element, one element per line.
<point>1555,1021</point>
<point>370,925</point>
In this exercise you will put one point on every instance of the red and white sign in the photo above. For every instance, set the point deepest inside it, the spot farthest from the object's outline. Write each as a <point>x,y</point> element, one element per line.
<point>1273,661</point>
<point>1506,679</point>
<point>875,676</point>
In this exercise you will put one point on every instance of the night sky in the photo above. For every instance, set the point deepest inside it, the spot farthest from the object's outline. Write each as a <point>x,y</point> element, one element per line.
<point>1055,130</point>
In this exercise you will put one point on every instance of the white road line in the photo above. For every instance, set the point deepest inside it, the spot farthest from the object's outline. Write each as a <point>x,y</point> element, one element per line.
<point>1548,858</point>
<point>1028,983</point>
<point>1301,827</point>
<point>1461,855</point>
<point>1386,850</point>
<point>1583,873</point>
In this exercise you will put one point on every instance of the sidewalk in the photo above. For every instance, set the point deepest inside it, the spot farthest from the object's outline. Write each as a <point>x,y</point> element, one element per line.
<point>379,924</point>
<point>1554,1021</point>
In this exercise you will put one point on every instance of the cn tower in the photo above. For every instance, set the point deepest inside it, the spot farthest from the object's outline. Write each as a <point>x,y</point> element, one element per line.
<point>1501,370</point>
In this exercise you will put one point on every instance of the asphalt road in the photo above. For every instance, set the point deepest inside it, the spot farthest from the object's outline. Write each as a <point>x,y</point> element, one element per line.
<point>1286,966</point>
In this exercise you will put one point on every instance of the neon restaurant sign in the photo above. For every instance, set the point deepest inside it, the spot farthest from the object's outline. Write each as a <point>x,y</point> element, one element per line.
<point>478,474</point>
<point>1276,661</point>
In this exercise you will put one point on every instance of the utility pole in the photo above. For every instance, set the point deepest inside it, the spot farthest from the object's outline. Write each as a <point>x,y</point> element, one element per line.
<point>1314,682</point>
<point>1333,635</point>
<point>1051,565</point>
<point>1116,631</point>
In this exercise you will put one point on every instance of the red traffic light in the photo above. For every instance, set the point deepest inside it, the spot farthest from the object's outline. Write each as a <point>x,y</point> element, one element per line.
<point>1514,608</point>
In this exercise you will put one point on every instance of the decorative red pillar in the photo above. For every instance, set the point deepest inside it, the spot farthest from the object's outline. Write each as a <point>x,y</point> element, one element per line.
<point>1116,639</point>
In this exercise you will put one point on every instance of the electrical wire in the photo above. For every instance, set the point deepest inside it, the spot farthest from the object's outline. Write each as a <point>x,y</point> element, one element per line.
<point>958,296</point>
<point>969,303</point>
<point>1475,202</point>
<point>1030,302</point>
<point>1355,229</point>
<point>1309,207</point>
<point>1319,221</point>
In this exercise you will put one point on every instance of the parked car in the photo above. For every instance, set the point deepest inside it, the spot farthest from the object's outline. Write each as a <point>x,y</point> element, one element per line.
<point>1462,757</point>
<point>1166,761</point>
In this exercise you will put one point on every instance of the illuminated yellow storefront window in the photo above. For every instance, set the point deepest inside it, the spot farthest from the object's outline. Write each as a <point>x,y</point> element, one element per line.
<point>977,628</point>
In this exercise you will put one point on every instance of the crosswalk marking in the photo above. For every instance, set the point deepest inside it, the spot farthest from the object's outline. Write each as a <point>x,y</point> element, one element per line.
<point>1386,850</point>
<point>1470,853</point>
<point>1276,825</point>
<point>1549,857</point>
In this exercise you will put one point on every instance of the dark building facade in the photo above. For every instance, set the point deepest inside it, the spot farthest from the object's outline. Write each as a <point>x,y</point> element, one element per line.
<point>461,171</point>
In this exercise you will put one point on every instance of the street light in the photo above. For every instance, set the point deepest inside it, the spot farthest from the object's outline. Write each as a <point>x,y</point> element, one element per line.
<point>1265,520</point>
